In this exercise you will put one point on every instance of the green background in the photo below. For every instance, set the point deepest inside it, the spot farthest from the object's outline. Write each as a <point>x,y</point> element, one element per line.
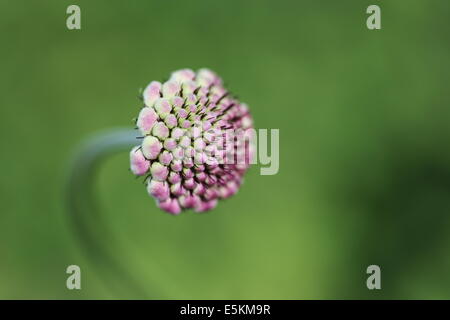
<point>364,136</point>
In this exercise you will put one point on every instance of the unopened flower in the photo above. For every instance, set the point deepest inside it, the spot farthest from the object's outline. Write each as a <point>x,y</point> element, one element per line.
<point>193,150</point>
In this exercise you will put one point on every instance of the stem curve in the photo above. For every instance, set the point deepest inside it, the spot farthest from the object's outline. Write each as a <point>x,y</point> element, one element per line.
<point>86,221</point>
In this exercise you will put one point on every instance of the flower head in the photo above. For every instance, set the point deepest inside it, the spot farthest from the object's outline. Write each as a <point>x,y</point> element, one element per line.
<point>194,149</point>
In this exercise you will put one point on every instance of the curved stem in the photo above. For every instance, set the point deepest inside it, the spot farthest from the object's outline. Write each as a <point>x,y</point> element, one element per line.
<point>88,225</point>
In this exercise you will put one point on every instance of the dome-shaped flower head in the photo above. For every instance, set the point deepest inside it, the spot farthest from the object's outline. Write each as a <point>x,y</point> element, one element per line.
<point>194,148</point>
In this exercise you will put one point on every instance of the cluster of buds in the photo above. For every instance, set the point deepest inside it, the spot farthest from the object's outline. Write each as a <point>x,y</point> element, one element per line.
<point>194,149</point>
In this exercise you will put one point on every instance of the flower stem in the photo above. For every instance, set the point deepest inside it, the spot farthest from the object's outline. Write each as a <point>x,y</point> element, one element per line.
<point>91,231</point>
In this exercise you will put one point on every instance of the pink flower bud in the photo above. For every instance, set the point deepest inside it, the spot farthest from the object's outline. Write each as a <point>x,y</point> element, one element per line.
<point>170,88</point>
<point>186,145</point>
<point>170,205</point>
<point>163,107</point>
<point>170,144</point>
<point>158,171</point>
<point>146,119</point>
<point>151,93</point>
<point>138,164</point>
<point>160,130</point>
<point>160,190</point>
<point>183,75</point>
<point>206,205</point>
<point>151,147</point>
<point>171,121</point>
<point>165,157</point>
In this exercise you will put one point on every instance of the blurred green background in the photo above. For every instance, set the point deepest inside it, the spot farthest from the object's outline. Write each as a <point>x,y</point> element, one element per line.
<point>364,135</point>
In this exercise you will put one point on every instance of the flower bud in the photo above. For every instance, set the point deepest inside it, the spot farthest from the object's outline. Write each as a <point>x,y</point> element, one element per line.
<point>193,132</point>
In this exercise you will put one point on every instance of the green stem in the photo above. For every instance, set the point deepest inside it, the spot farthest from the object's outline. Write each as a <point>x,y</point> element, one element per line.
<point>88,225</point>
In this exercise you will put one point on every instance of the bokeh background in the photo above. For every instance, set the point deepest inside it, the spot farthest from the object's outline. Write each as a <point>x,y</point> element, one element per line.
<point>364,123</point>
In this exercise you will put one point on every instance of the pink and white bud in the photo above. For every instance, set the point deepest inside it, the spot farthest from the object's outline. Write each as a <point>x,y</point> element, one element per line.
<point>159,172</point>
<point>174,177</point>
<point>190,184</point>
<point>188,88</point>
<point>165,157</point>
<point>151,93</point>
<point>177,165</point>
<point>184,147</point>
<point>146,119</point>
<point>170,88</point>
<point>158,189</point>
<point>189,201</point>
<point>151,147</point>
<point>183,75</point>
<point>170,144</point>
<point>185,142</point>
<point>171,121</point>
<point>203,206</point>
<point>177,133</point>
<point>178,153</point>
<point>176,189</point>
<point>138,164</point>
<point>160,130</point>
<point>170,205</point>
<point>163,107</point>
<point>177,102</point>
